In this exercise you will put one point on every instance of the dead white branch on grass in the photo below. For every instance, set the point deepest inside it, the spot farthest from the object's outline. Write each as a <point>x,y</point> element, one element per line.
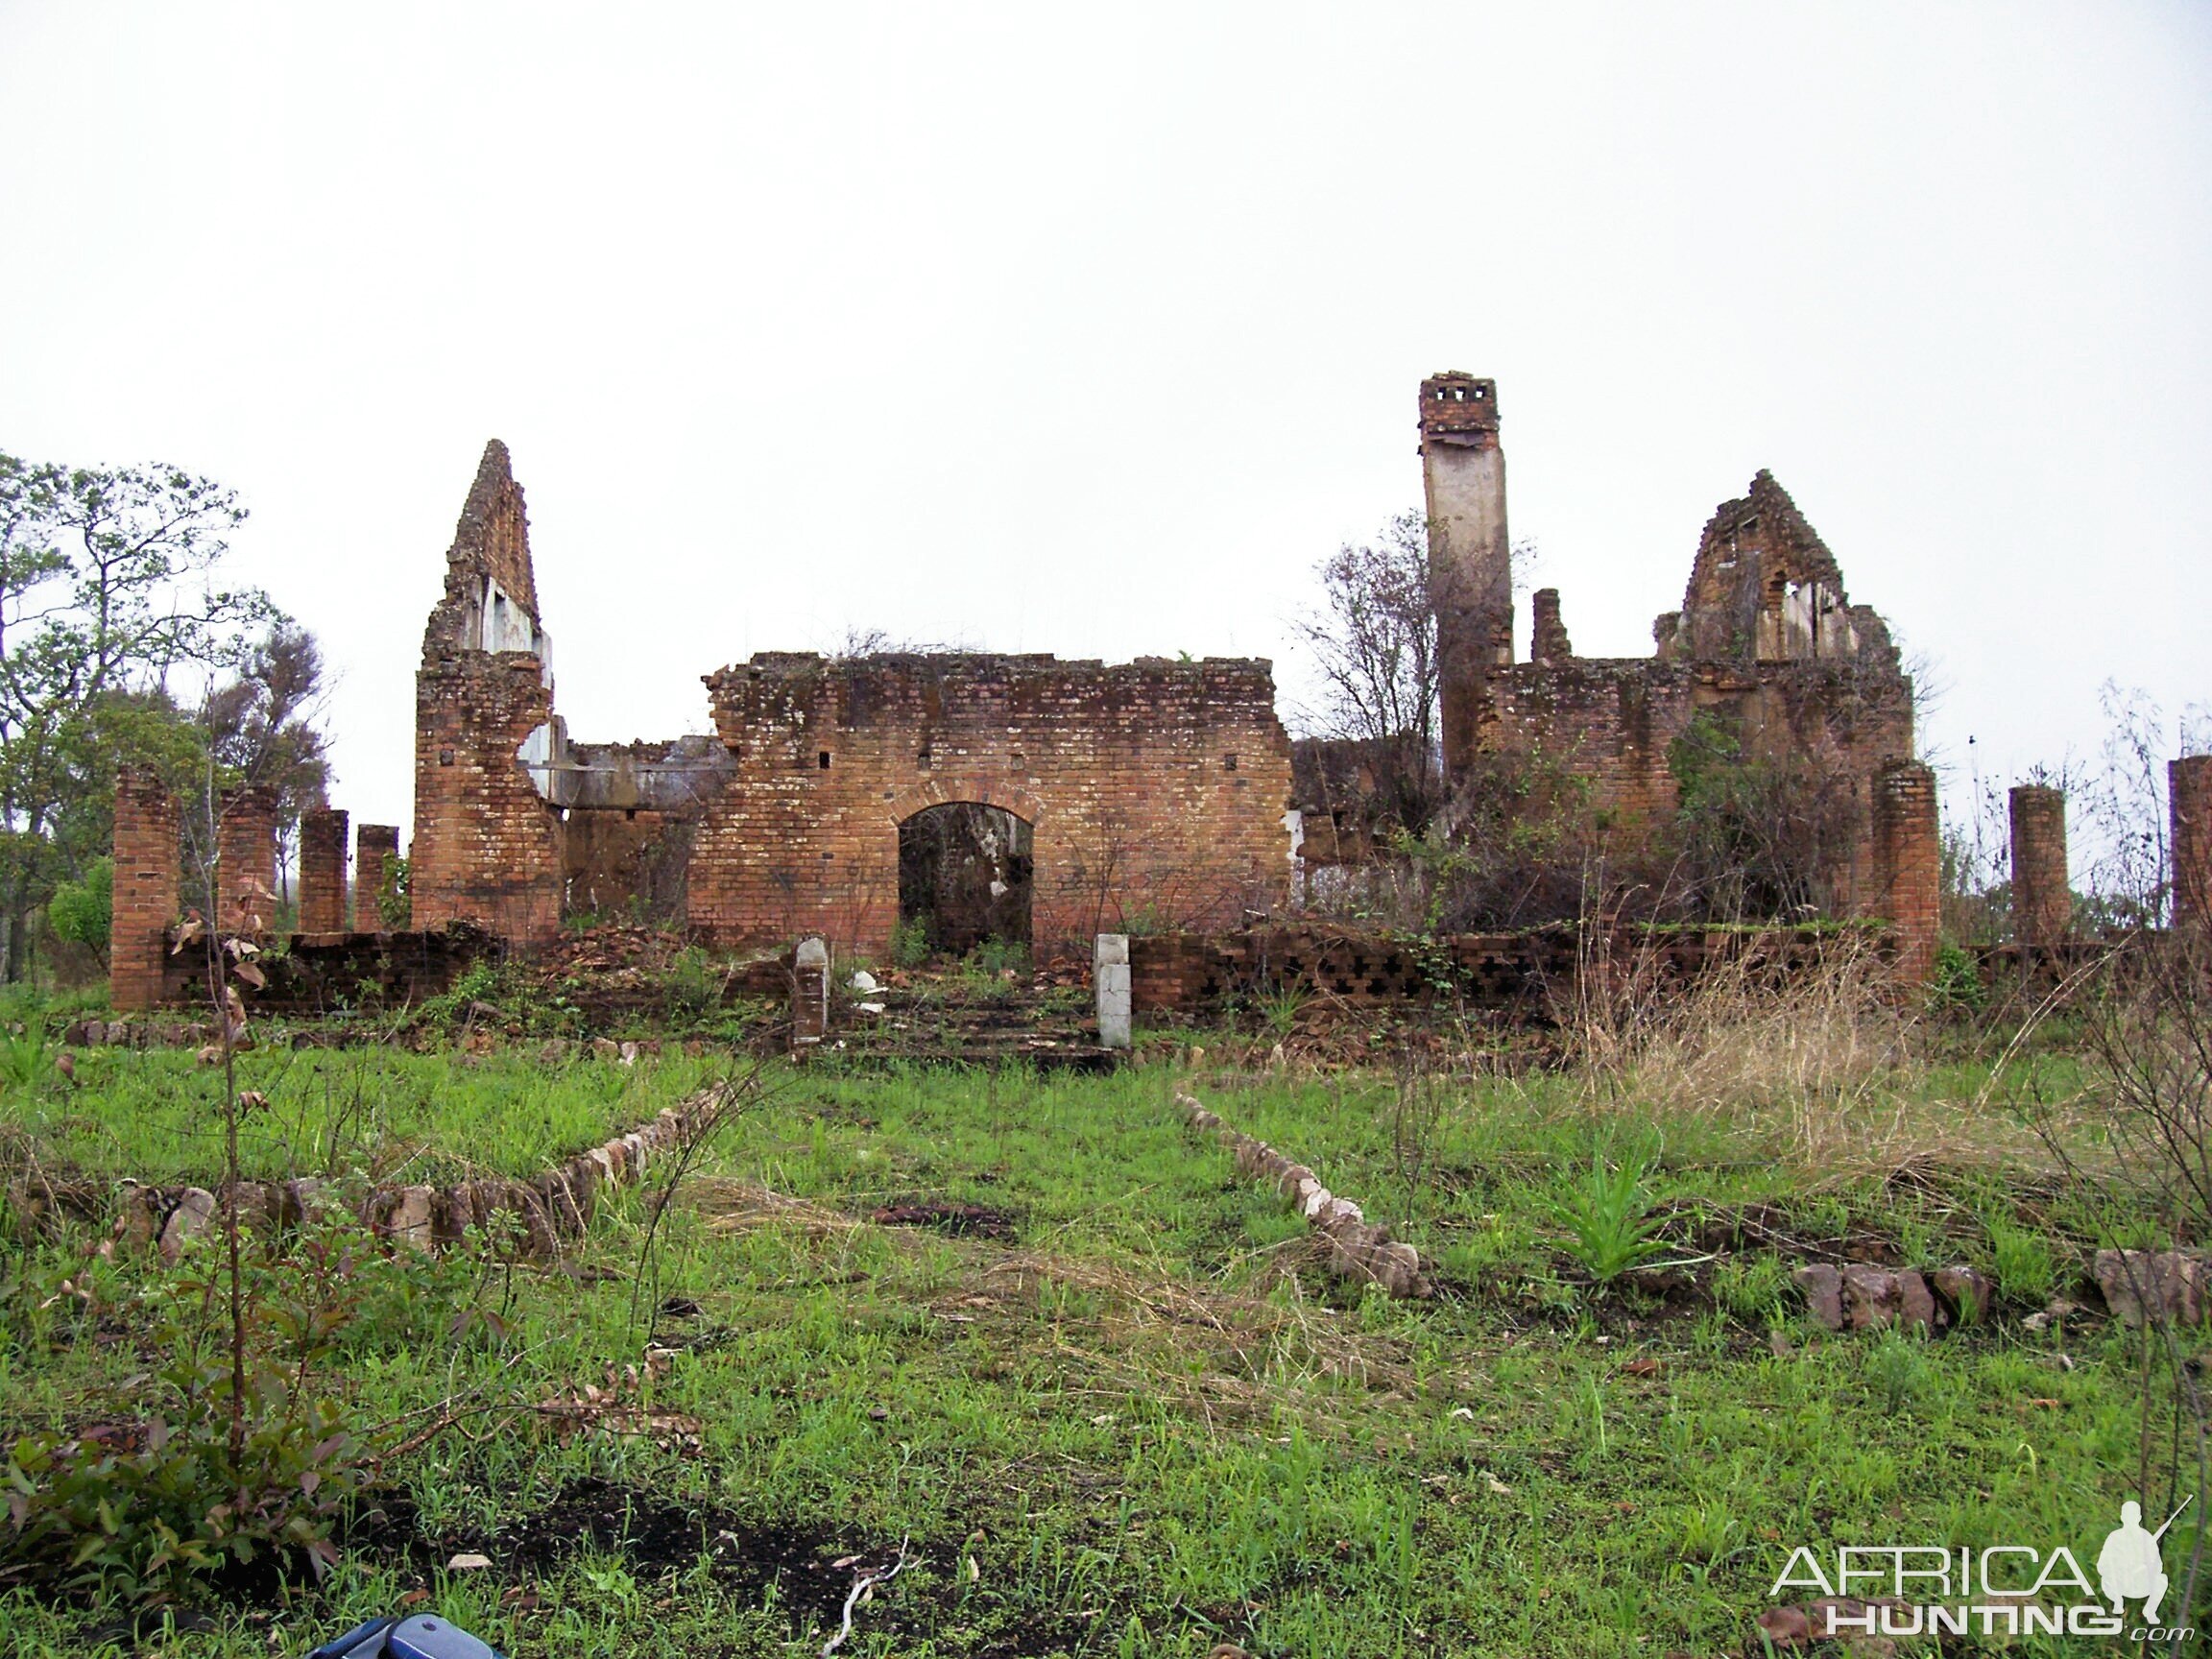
<point>1357,1248</point>
<point>863,1589</point>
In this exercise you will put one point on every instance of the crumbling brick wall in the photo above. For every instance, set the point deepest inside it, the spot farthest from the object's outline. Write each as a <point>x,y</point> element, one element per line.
<point>1153,789</point>
<point>487,842</point>
<point>487,845</point>
<point>147,843</point>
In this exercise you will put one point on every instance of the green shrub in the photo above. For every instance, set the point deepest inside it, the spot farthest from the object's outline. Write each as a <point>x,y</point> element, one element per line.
<point>82,912</point>
<point>1955,986</point>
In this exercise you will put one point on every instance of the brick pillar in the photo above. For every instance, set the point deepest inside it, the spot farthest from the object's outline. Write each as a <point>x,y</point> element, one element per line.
<point>2189,798</point>
<point>375,849</point>
<point>2042,900</point>
<point>322,871</point>
<point>1908,864</point>
<point>246,861</point>
<point>146,842</point>
<point>1551,643</point>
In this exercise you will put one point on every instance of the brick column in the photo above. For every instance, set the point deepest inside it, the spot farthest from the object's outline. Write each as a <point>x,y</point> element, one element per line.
<point>322,871</point>
<point>2189,798</point>
<point>2042,898</point>
<point>375,849</point>
<point>1550,643</point>
<point>246,861</point>
<point>146,842</point>
<point>1908,864</point>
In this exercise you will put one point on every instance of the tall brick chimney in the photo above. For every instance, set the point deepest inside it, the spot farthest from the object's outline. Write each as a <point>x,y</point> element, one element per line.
<point>2042,897</point>
<point>2189,802</point>
<point>1470,559</point>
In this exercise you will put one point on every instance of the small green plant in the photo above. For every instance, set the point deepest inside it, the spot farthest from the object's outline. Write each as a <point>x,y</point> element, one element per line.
<point>1749,1286</point>
<point>26,1061</point>
<point>393,907</point>
<point>910,942</point>
<point>1896,1369</point>
<point>1610,1228</point>
<point>1955,986</point>
<point>1280,1008</point>
<point>2023,1263</point>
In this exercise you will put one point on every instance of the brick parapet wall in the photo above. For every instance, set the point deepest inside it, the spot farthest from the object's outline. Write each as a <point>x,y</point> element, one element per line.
<point>322,871</point>
<point>1908,864</point>
<point>246,861</point>
<point>2042,895</point>
<point>1153,788</point>
<point>2189,804</point>
<point>375,849</point>
<point>486,846</point>
<point>146,849</point>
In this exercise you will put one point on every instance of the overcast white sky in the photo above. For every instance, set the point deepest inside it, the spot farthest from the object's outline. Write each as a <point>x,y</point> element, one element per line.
<point>1092,332</point>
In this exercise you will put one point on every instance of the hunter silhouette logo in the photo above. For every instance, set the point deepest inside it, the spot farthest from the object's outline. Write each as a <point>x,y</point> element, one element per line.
<point>2128,1566</point>
<point>1994,1590</point>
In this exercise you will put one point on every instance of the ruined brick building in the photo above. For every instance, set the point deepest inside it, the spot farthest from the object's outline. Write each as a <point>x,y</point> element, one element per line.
<point>1766,645</point>
<point>1018,796</point>
<point>1023,797</point>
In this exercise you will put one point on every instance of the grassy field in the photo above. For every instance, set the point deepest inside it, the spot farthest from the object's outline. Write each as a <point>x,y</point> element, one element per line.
<point>1099,1387</point>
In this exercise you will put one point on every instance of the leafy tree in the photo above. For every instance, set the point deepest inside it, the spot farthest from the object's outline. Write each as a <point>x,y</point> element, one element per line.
<point>108,593</point>
<point>83,912</point>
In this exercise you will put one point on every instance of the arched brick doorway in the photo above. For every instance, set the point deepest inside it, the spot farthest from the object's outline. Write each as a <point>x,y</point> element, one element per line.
<point>967,875</point>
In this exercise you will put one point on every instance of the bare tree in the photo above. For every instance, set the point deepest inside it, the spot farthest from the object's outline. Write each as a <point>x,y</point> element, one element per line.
<point>1375,642</point>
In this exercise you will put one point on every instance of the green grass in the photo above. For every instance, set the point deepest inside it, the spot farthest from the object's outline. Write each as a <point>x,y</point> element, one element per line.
<point>155,1114</point>
<point>1149,1419</point>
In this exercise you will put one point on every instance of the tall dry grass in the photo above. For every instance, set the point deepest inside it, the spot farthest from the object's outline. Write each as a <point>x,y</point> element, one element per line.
<point>1799,1045</point>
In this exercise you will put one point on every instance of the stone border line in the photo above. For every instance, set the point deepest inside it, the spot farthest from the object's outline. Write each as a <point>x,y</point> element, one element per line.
<point>1358,1249</point>
<point>546,1209</point>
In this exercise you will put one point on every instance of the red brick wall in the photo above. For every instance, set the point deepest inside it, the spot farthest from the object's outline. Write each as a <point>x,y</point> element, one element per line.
<point>487,847</point>
<point>1124,773</point>
<point>1908,864</point>
<point>1612,721</point>
<point>2189,802</point>
<point>322,871</point>
<point>375,847</point>
<point>246,861</point>
<point>146,849</point>
<point>2042,898</point>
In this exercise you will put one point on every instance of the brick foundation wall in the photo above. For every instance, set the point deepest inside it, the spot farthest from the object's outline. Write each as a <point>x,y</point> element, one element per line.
<point>2189,803</point>
<point>322,871</point>
<point>2042,897</point>
<point>246,861</point>
<point>486,846</point>
<point>1908,864</point>
<point>375,848</point>
<point>1154,790</point>
<point>146,859</point>
<point>1529,973</point>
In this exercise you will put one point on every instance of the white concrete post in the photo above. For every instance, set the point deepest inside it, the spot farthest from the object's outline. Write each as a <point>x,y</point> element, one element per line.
<point>809,993</point>
<point>1109,978</point>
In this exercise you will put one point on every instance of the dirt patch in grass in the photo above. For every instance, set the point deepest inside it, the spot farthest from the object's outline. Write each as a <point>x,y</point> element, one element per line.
<point>960,1220</point>
<point>657,1537</point>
